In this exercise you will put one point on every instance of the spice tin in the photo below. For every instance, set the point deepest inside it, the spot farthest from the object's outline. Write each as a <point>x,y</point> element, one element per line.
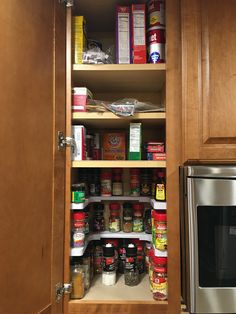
<point>156,44</point>
<point>156,13</point>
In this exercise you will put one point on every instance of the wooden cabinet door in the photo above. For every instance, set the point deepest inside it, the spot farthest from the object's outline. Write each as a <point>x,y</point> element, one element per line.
<point>209,79</point>
<point>32,67</point>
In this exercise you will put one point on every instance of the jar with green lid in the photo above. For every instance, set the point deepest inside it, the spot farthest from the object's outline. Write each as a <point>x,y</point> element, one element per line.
<point>78,193</point>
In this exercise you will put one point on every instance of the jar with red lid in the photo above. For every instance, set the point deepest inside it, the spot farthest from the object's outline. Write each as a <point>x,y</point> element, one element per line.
<point>114,219</point>
<point>134,182</point>
<point>78,229</point>
<point>106,183</point>
<point>159,278</point>
<point>138,217</point>
<point>117,185</point>
<point>159,230</point>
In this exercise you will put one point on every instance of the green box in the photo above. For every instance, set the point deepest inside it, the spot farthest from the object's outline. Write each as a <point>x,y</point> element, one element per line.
<point>135,141</point>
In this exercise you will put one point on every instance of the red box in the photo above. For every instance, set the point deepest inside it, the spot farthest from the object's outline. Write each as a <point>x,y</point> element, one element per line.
<point>155,147</point>
<point>158,156</point>
<point>138,31</point>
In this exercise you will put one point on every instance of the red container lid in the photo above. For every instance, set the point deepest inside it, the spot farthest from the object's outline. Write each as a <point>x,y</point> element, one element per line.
<point>78,216</point>
<point>159,216</point>
<point>106,175</point>
<point>160,260</point>
<point>134,171</point>
<point>138,206</point>
<point>114,206</point>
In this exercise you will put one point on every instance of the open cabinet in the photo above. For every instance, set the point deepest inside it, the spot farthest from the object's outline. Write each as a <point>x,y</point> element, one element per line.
<point>146,82</point>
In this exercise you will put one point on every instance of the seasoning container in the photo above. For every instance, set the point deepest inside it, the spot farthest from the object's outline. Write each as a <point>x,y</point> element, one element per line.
<point>98,218</point>
<point>114,219</point>
<point>154,181</point>
<point>159,230</point>
<point>138,217</point>
<point>148,221</point>
<point>94,183</point>
<point>89,147</point>
<point>146,183</point>
<point>148,247</point>
<point>127,217</point>
<point>77,280</point>
<point>78,229</point>
<point>132,277</point>
<point>134,182</point>
<point>117,185</point>
<point>122,255</point>
<point>106,183</point>
<point>159,278</point>
<point>140,255</point>
<point>86,220</point>
<point>150,269</point>
<point>98,257</point>
<point>96,147</point>
<point>109,271</point>
<point>86,267</point>
<point>160,194</point>
<point>78,193</point>
<point>115,243</point>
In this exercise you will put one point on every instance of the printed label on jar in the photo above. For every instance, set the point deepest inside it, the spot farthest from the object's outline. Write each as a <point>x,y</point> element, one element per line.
<point>78,197</point>
<point>160,192</point>
<point>109,264</point>
<point>130,264</point>
<point>78,239</point>
<point>114,225</point>
<point>137,225</point>
<point>161,241</point>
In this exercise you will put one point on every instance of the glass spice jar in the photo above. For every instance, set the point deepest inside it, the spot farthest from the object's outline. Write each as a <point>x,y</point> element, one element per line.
<point>114,219</point>
<point>140,255</point>
<point>78,193</point>
<point>159,278</point>
<point>134,182</point>
<point>127,217</point>
<point>117,185</point>
<point>148,221</point>
<point>138,217</point>
<point>131,273</point>
<point>94,183</point>
<point>159,230</point>
<point>78,229</point>
<point>77,280</point>
<point>106,183</point>
<point>109,265</point>
<point>98,257</point>
<point>146,183</point>
<point>98,218</point>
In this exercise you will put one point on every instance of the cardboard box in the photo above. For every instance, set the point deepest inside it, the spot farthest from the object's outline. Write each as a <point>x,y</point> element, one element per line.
<point>78,38</point>
<point>114,146</point>
<point>135,140</point>
<point>123,36</point>
<point>78,134</point>
<point>156,156</point>
<point>138,31</point>
<point>80,96</point>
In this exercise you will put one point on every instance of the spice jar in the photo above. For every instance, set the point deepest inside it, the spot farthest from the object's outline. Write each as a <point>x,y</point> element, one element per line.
<point>148,247</point>
<point>122,255</point>
<point>94,183</point>
<point>98,218</point>
<point>78,193</point>
<point>114,219</point>
<point>140,255</point>
<point>148,221</point>
<point>132,277</point>
<point>86,267</point>
<point>117,185</point>
<point>134,182</point>
<point>109,271</point>
<point>127,217</point>
<point>78,229</point>
<point>77,279</point>
<point>160,194</point>
<point>159,278</point>
<point>138,217</point>
<point>115,243</point>
<point>154,181</point>
<point>98,257</point>
<point>106,183</point>
<point>146,183</point>
<point>86,220</point>
<point>159,230</point>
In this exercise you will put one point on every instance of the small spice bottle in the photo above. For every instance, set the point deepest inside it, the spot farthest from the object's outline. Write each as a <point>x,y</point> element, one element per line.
<point>78,229</point>
<point>154,181</point>
<point>86,267</point>
<point>86,220</point>
<point>160,194</point>
<point>94,183</point>
<point>127,217</point>
<point>159,278</point>
<point>159,230</point>
<point>134,182</point>
<point>98,217</point>
<point>117,185</point>
<point>140,255</point>
<point>138,217</point>
<point>98,257</point>
<point>132,277</point>
<point>148,221</point>
<point>115,243</point>
<point>78,193</point>
<point>114,219</point>
<point>122,255</point>
<point>146,183</point>
<point>77,279</point>
<point>109,270</point>
<point>106,183</point>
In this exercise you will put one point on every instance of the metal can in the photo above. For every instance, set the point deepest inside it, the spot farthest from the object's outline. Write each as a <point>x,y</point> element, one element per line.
<point>156,44</point>
<point>156,13</point>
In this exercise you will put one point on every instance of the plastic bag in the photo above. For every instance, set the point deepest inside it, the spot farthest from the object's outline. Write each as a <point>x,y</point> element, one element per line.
<point>96,56</point>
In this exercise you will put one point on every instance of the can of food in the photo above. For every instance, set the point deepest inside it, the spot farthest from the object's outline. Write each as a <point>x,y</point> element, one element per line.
<point>156,13</point>
<point>156,44</point>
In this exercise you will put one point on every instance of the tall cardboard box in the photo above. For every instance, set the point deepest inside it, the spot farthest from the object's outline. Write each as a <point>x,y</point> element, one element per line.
<point>135,141</point>
<point>123,36</point>
<point>138,32</point>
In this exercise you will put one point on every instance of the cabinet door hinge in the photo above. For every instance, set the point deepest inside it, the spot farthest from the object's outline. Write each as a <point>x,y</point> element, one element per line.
<point>63,141</point>
<point>68,3</point>
<point>62,289</point>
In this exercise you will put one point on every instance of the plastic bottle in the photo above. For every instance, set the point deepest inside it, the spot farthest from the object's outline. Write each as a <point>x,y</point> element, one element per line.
<point>109,271</point>
<point>160,194</point>
<point>132,277</point>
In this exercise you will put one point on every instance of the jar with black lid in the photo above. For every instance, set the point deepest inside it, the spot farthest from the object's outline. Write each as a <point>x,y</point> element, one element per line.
<point>98,217</point>
<point>132,277</point>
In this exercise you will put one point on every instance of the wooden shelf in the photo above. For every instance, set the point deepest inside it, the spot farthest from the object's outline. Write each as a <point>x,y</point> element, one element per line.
<point>118,164</point>
<point>116,77</point>
<point>110,120</point>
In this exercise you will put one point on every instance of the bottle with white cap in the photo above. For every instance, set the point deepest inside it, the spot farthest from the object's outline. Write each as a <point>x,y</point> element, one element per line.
<point>109,267</point>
